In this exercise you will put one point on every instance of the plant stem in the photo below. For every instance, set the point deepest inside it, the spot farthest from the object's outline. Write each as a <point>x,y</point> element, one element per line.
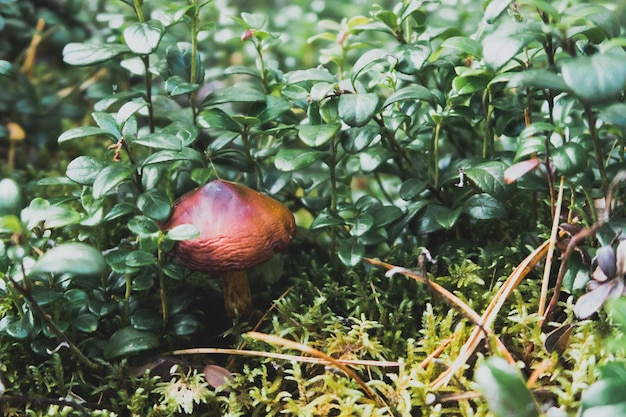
<point>488,137</point>
<point>194,54</point>
<point>593,131</point>
<point>138,10</point>
<point>333,194</point>
<point>435,156</point>
<point>162,293</point>
<point>53,327</point>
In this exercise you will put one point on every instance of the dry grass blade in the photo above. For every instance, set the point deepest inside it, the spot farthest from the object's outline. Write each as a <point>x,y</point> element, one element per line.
<point>290,344</point>
<point>548,267</point>
<point>450,298</point>
<point>295,358</point>
<point>491,312</point>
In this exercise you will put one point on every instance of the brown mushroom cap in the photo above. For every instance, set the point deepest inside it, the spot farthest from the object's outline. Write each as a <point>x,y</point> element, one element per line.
<point>239,227</point>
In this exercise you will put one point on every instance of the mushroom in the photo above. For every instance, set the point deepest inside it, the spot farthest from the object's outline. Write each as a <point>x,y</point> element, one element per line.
<point>239,228</point>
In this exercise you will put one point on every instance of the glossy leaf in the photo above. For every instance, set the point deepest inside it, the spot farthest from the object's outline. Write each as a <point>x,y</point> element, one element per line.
<point>596,79</point>
<point>164,156</point>
<point>355,139</point>
<point>350,252</point>
<point>357,109</point>
<point>160,140</point>
<point>70,258</point>
<point>218,119</point>
<point>326,218</point>
<point>83,132</point>
<point>484,207</point>
<point>489,177</point>
<point>411,93</point>
<point>143,38</point>
<point>84,169</point>
<point>411,58</point>
<point>128,341</point>
<point>317,135</point>
<point>500,46</point>
<point>501,384</point>
<point>110,177</point>
<point>10,197</point>
<point>88,54</point>
<point>569,159</point>
<point>465,45</point>
<point>154,204</point>
<point>235,94</point>
<point>183,232</point>
<point>296,159</point>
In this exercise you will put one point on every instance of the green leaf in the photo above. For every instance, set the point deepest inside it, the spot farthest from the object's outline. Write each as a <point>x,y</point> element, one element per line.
<point>296,159</point>
<point>500,46</point>
<point>489,177</point>
<point>83,132</point>
<point>119,210</point>
<point>569,159</point>
<point>370,57</point>
<point>501,384</point>
<point>107,122</point>
<point>484,207</point>
<point>139,258</point>
<point>595,79</point>
<point>127,110</point>
<point>143,38</point>
<point>411,58</point>
<point>411,188</point>
<point>177,86</point>
<point>154,204</point>
<point>614,114</point>
<point>160,140</point>
<point>88,54</point>
<point>495,9</point>
<point>360,224</point>
<point>411,93</point>
<point>357,109</point>
<point>110,177</point>
<point>10,197</point>
<point>146,319</point>
<point>326,218</point>
<point>355,139</point>
<point>470,83</point>
<point>464,44</point>
<point>317,135</point>
<point>183,232</point>
<point>70,258</point>
<point>178,59</point>
<point>52,216</point>
<point>182,325</point>
<point>87,323</point>
<point>84,170</point>
<point>128,341</point>
<point>310,75</point>
<point>538,79</point>
<point>186,154</point>
<point>143,226</point>
<point>5,68</point>
<point>372,158</point>
<point>447,217</point>
<point>218,119</point>
<point>235,94</point>
<point>350,252</point>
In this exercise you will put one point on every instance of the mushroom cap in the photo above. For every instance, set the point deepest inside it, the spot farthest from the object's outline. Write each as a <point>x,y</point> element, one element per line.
<point>239,227</point>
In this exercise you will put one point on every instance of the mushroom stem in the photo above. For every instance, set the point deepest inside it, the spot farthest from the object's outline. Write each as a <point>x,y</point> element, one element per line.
<point>237,295</point>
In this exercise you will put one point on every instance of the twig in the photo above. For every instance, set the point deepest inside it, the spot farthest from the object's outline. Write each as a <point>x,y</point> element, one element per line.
<point>53,327</point>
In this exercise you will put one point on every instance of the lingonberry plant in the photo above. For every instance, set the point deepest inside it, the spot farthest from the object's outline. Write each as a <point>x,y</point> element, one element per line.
<point>460,144</point>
